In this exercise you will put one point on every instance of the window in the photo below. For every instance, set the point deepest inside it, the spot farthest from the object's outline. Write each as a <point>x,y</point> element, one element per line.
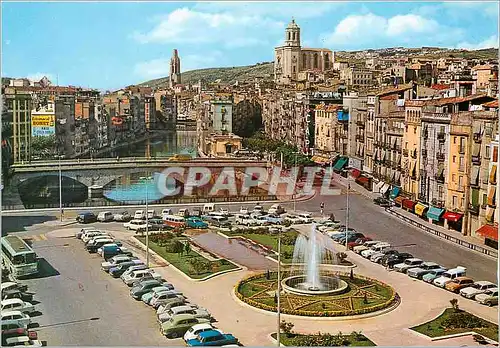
<point>460,181</point>
<point>461,163</point>
<point>453,178</point>
<point>462,202</point>
<point>454,140</point>
<point>487,152</point>
<point>454,159</point>
<point>454,201</point>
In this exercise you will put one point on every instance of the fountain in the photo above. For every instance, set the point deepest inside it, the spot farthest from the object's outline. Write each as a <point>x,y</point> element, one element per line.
<point>307,278</point>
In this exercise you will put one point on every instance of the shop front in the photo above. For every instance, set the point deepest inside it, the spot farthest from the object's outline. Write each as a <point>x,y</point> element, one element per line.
<point>453,221</point>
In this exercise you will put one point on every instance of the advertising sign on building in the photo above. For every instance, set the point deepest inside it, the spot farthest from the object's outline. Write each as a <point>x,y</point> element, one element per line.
<point>43,125</point>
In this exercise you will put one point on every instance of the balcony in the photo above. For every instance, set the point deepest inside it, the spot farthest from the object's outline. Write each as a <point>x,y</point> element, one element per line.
<point>414,154</point>
<point>440,156</point>
<point>440,179</point>
<point>441,137</point>
<point>477,137</point>
<point>474,209</point>
<point>424,153</point>
<point>405,152</point>
<point>476,160</point>
<point>360,124</point>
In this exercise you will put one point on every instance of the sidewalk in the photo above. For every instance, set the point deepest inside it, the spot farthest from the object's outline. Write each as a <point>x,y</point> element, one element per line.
<point>442,232</point>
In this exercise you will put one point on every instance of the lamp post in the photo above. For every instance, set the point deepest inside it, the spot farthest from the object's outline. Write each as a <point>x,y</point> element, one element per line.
<point>279,289</point>
<point>146,181</point>
<point>295,195</point>
<point>60,190</point>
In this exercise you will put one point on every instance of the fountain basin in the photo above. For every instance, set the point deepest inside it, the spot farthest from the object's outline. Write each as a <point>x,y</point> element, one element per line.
<point>328,286</point>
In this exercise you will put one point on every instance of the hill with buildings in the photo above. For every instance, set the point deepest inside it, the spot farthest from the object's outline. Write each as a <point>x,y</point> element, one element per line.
<point>225,75</point>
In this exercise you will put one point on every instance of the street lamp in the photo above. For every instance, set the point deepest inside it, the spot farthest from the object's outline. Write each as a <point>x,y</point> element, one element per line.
<point>295,196</point>
<point>60,190</point>
<point>146,181</point>
<point>279,289</point>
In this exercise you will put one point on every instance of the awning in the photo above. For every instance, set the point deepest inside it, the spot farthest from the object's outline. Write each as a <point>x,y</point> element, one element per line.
<point>395,192</point>
<point>319,159</point>
<point>435,213</point>
<point>399,200</point>
<point>408,204</point>
<point>490,212</point>
<point>420,209</point>
<point>355,173</point>
<point>451,216</point>
<point>362,180</point>
<point>488,231</point>
<point>384,189</point>
<point>341,163</point>
<point>476,149</point>
<point>493,174</point>
<point>492,195</point>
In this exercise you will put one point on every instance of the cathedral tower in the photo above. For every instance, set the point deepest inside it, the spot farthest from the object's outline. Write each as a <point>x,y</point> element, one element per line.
<point>175,69</point>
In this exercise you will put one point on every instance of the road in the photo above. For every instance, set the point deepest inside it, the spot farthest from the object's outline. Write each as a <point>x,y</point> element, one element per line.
<point>82,305</point>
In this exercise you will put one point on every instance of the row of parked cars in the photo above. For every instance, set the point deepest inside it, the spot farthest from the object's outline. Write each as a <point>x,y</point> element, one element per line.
<point>176,316</point>
<point>380,252</point>
<point>16,313</point>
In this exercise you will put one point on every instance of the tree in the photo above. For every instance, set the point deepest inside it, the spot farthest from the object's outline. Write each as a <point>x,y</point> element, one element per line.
<point>286,328</point>
<point>43,145</point>
<point>454,304</point>
<point>341,256</point>
<point>187,248</point>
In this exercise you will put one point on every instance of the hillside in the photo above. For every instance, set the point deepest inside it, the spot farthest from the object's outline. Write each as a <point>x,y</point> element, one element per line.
<point>226,75</point>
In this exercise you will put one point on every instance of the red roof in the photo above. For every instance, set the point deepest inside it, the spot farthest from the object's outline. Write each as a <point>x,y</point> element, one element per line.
<point>439,86</point>
<point>389,97</point>
<point>488,231</point>
<point>451,216</point>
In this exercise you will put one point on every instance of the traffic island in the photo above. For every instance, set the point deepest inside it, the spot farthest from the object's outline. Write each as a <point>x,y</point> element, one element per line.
<point>456,322</point>
<point>354,339</point>
<point>179,254</point>
<point>362,296</point>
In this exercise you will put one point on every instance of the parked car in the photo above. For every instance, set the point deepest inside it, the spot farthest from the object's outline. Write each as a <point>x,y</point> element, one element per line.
<point>122,216</point>
<point>79,234</point>
<point>220,221</point>
<point>489,297</point>
<point>328,225</point>
<point>15,293</point>
<point>305,218</point>
<point>477,288</point>
<point>139,215</point>
<point>224,212</point>
<point>273,219</point>
<point>459,283</point>
<point>358,241</point>
<point>245,220</point>
<point>377,257</point>
<point>409,263</point>
<point>260,220</point>
<point>186,309</point>
<point>350,236</point>
<point>5,286</point>
<point>391,260</point>
<point>16,304</point>
<point>423,269</point>
<point>449,275</point>
<point>171,304</point>
<point>276,209</point>
<point>86,218</point>
<point>23,341</point>
<point>365,246</point>
<point>212,338</point>
<point>114,262</point>
<point>92,234</point>
<point>383,202</point>
<point>196,222</point>
<point>183,212</point>
<point>108,251</point>
<point>435,273</point>
<point>117,272</point>
<point>105,216</point>
<point>167,211</point>
<point>375,248</point>
<point>293,219</point>
<point>16,331</point>
<point>195,330</point>
<point>258,209</point>
<point>156,291</point>
<point>137,225</point>
<point>134,276</point>
<point>208,207</point>
<point>179,324</point>
<point>244,211</point>
<point>167,297</point>
<point>144,287</point>
<point>22,318</point>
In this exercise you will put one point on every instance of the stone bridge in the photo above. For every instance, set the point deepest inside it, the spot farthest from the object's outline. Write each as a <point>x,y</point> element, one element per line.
<point>100,172</point>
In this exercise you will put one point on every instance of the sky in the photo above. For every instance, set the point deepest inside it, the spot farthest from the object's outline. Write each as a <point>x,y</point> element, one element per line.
<point>109,45</point>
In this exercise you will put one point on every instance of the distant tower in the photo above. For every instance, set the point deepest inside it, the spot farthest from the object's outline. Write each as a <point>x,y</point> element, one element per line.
<point>175,69</point>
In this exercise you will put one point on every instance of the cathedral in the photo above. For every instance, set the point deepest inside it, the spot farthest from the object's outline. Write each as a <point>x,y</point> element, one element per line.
<point>175,70</point>
<point>291,58</point>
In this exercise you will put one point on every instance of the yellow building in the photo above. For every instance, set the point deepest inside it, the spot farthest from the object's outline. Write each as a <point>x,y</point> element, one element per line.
<point>411,150</point>
<point>459,166</point>
<point>222,145</point>
<point>324,128</point>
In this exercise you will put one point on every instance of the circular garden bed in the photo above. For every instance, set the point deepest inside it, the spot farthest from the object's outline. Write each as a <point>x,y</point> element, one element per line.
<point>364,295</point>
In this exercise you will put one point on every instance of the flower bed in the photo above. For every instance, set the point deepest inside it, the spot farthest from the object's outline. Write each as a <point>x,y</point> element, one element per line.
<point>365,295</point>
<point>455,321</point>
<point>325,340</point>
<point>191,263</point>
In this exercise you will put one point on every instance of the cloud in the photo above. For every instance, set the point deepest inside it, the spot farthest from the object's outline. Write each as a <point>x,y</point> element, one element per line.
<point>160,67</point>
<point>38,76</point>
<point>463,9</point>
<point>271,9</point>
<point>490,42</point>
<point>195,27</point>
<point>367,29</point>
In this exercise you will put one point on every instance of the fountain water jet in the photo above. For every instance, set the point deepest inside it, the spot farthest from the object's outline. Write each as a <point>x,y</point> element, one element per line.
<point>308,256</point>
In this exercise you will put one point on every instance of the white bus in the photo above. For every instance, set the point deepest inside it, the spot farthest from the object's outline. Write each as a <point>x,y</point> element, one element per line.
<point>18,257</point>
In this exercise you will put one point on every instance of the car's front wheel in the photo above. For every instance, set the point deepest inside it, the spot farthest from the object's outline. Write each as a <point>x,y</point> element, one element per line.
<point>489,304</point>
<point>174,335</point>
